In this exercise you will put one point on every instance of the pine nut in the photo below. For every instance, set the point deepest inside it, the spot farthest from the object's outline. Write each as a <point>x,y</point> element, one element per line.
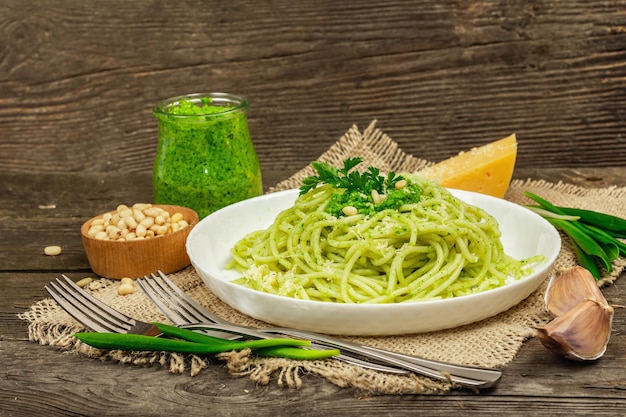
<point>93,230</point>
<point>121,224</point>
<point>125,289</point>
<point>141,230</point>
<point>147,222</point>
<point>115,232</point>
<point>349,211</point>
<point>151,212</point>
<point>84,282</point>
<point>125,213</point>
<point>52,250</point>
<point>376,197</point>
<point>400,184</point>
<point>95,285</point>
<point>138,215</point>
<point>130,222</point>
<point>127,280</point>
<point>141,206</point>
<point>102,235</point>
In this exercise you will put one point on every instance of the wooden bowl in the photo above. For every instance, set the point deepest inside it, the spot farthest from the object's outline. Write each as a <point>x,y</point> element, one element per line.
<point>137,258</point>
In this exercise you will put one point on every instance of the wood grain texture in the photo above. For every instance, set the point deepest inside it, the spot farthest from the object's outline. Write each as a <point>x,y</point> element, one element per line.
<point>59,389</point>
<point>78,78</point>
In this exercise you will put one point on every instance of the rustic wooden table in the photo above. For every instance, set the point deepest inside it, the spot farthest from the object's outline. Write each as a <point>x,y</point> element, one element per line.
<point>77,82</point>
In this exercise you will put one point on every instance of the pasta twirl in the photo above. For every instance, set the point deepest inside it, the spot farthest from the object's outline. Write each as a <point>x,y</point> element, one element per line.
<point>439,247</point>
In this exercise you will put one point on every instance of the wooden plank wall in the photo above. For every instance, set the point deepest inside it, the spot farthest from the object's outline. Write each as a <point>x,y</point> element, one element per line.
<point>78,78</point>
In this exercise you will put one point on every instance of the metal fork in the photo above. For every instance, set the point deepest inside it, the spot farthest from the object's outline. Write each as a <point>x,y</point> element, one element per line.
<point>184,311</point>
<point>92,312</point>
<point>98,316</point>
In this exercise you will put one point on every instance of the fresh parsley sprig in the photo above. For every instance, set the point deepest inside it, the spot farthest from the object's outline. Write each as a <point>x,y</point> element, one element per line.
<point>350,180</point>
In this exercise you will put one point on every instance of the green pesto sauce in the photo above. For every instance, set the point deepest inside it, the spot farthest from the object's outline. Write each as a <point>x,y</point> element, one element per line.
<point>205,157</point>
<point>203,107</point>
<point>365,204</point>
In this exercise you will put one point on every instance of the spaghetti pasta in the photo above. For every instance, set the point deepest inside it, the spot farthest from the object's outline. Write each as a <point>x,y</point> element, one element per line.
<point>437,247</point>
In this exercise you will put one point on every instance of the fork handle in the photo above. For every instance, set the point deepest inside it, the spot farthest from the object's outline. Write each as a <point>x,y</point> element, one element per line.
<point>474,372</point>
<point>471,377</point>
<point>468,376</point>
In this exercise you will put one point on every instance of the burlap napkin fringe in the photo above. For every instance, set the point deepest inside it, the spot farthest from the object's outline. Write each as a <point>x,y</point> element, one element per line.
<point>288,373</point>
<point>492,343</point>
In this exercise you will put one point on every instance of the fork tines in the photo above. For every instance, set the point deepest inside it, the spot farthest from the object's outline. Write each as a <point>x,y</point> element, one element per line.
<point>177,306</point>
<point>87,309</point>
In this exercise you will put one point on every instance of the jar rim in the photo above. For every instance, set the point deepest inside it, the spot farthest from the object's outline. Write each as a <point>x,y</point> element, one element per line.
<point>238,103</point>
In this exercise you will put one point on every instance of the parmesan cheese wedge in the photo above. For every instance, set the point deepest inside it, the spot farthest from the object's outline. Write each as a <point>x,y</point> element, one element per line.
<point>487,169</point>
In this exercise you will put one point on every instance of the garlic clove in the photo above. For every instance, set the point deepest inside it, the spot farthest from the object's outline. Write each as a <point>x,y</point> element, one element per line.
<point>568,287</point>
<point>580,334</point>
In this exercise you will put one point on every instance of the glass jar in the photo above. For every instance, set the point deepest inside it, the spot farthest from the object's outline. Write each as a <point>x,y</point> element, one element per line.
<point>205,157</point>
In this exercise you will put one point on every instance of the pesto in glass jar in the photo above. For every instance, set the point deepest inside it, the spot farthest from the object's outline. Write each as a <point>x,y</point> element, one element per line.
<point>205,157</point>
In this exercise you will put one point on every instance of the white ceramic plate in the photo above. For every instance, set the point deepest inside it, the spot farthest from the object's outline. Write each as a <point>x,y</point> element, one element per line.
<point>524,234</point>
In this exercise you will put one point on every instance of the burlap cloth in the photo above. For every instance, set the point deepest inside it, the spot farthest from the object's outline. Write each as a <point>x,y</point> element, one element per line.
<point>492,343</point>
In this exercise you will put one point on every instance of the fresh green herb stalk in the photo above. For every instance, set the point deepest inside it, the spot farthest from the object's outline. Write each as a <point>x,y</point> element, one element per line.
<point>272,351</point>
<point>609,244</point>
<point>586,242</point>
<point>187,341</point>
<point>586,261</point>
<point>621,246</point>
<point>594,235</point>
<point>124,341</point>
<point>296,353</point>
<point>613,225</point>
<point>189,335</point>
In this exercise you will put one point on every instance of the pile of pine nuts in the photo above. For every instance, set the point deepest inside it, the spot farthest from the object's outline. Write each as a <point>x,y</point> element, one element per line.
<point>140,221</point>
<point>126,285</point>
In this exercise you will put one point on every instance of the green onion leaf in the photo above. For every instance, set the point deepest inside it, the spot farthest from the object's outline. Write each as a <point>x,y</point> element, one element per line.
<point>548,214</point>
<point>594,236</point>
<point>586,243</point>
<point>586,261</point>
<point>613,225</point>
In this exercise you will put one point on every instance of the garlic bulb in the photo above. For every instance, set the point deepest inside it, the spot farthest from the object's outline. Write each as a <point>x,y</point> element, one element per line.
<point>569,287</point>
<point>582,327</point>
<point>582,333</point>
